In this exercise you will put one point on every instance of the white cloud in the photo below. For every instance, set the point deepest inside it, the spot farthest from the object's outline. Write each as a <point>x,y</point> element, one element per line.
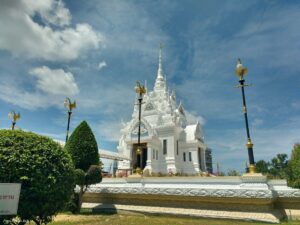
<point>101,65</point>
<point>257,122</point>
<point>129,28</point>
<point>296,105</point>
<point>193,118</point>
<point>58,15</point>
<point>50,89</point>
<point>229,145</point>
<point>21,35</point>
<point>51,11</point>
<point>29,100</point>
<point>109,130</point>
<point>56,82</point>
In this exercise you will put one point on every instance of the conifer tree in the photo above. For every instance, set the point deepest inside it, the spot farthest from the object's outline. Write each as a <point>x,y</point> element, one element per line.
<point>83,148</point>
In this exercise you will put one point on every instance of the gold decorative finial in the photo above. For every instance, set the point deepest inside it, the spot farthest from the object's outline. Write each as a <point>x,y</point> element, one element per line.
<point>14,116</point>
<point>68,104</point>
<point>139,88</point>
<point>240,70</point>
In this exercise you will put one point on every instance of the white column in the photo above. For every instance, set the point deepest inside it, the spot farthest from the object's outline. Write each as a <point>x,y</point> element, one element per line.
<point>149,158</point>
<point>195,159</point>
<point>170,158</point>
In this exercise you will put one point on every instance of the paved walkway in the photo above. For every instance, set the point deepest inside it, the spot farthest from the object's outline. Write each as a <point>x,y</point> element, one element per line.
<point>254,216</point>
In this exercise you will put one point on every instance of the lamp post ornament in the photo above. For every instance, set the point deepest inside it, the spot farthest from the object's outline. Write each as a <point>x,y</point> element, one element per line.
<point>14,117</point>
<point>140,90</point>
<point>241,71</point>
<point>70,106</point>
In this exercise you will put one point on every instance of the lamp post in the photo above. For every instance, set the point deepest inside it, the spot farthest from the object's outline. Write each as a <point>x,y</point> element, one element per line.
<point>140,90</point>
<point>241,71</point>
<point>14,117</point>
<point>70,106</point>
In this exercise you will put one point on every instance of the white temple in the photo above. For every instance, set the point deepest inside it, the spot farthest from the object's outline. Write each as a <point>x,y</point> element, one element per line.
<point>170,144</point>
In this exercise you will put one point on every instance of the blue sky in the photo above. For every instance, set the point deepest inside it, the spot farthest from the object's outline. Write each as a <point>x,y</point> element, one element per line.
<point>94,51</point>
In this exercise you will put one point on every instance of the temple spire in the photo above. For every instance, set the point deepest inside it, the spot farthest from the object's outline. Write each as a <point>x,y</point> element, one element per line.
<point>160,82</point>
<point>160,72</point>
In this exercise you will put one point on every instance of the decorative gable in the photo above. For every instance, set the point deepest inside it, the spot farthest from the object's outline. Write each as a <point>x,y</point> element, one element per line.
<point>149,107</point>
<point>135,130</point>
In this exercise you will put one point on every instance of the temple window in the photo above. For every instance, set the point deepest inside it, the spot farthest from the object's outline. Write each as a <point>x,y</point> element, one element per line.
<point>184,156</point>
<point>190,156</point>
<point>165,146</point>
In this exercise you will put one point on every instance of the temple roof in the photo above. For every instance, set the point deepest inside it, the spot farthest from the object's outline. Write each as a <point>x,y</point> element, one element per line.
<point>160,107</point>
<point>193,132</point>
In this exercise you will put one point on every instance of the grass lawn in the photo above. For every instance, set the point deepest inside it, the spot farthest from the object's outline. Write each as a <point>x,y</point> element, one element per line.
<point>121,219</point>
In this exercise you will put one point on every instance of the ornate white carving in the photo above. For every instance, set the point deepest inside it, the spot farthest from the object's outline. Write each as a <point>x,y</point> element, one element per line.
<point>149,106</point>
<point>143,130</point>
<point>295,193</point>
<point>219,193</point>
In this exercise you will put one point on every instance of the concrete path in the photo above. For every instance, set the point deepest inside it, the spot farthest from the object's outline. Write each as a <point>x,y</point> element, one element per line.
<point>250,216</point>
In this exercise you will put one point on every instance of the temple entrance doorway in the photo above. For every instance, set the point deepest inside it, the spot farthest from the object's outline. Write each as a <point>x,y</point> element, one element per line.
<point>139,160</point>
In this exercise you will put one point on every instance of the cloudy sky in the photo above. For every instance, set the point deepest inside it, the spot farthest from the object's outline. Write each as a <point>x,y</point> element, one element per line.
<point>94,51</point>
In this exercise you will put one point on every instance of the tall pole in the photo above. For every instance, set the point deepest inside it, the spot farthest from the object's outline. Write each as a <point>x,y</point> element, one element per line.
<point>241,72</point>
<point>140,99</point>
<point>68,126</point>
<point>140,90</point>
<point>249,142</point>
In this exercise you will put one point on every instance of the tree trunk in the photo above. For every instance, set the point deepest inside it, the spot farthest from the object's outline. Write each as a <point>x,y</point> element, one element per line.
<point>37,222</point>
<point>80,194</point>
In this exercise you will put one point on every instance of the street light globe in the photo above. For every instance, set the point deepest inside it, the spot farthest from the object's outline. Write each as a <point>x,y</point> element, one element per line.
<point>138,151</point>
<point>67,102</point>
<point>11,115</point>
<point>240,70</point>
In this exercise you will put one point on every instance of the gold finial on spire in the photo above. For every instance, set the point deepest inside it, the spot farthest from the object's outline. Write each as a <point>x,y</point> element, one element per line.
<point>161,45</point>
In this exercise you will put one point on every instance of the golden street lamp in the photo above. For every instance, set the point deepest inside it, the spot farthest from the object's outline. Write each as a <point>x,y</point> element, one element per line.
<point>14,117</point>
<point>241,71</point>
<point>140,90</point>
<point>70,106</point>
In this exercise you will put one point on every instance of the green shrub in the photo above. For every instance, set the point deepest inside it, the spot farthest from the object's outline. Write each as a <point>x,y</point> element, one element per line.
<point>294,168</point>
<point>93,175</point>
<point>79,177</point>
<point>45,170</point>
